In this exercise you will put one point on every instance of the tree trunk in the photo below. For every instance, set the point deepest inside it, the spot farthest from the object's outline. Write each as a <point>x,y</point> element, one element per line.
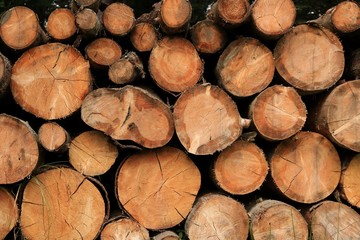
<point>46,85</point>
<point>92,153</point>
<point>175,15</point>
<point>164,64</point>
<point>333,220</point>
<point>273,18</point>
<point>127,69</point>
<point>88,23</point>
<point>272,219</point>
<point>164,182</point>
<point>337,116</point>
<point>60,203</point>
<point>144,37</point>
<point>241,168</point>
<point>5,73</point>
<point>208,37</point>
<point>61,25</point>
<point>349,182</point>
<point>19,151</point>
<point>309,58</point>
<point>118,19</point>
<point>124,228</point>
<point>206,128</point>
<point>102,52</point>
<point>129,113</point>
<point>245,67</point>
<point>306,167</point>
<point>278,113</point>
<point>53,137</point>
<point>9,212</point>
<point>20,28</point>
<point>167,235</point>
<point>215,216</point>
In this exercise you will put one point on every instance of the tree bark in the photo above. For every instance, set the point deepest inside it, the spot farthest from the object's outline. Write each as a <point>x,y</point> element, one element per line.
<point>337,115</point>
<point>92,153</point>
<point>61,25</point>
<point>19,151</point>
<point>278,113</point>
<point>129,113</point>
<point>215,216</point>
<point>20,28</point>
<point>53,137</point>
<point>164,182</point>
<point>9,212</point>
<point>88,23</point>
<point>272,219</point>
<point>164,64</point>
<point>144,36</point>
<point>206,128</point>
<point>118,19</point>
<point>241,168</point>
<point>306,167</point>
<point>333,220</point>
<point>124,228</point>
<point>245,67</point>
<point>46,85</point>
<point>5,74</point>
<point>309,58</point>
<point>60,203</point>
<point>175,15</point>
<point>208,37</point>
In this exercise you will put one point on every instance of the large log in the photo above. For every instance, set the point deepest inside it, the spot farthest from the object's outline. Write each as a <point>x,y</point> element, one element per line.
<point>129,113</point>
<point>51,80</point>
<point>61,203</point>
<point>124,228</point>
<point>306,167</point>
<point>164,182</point>
<point>9,212</point>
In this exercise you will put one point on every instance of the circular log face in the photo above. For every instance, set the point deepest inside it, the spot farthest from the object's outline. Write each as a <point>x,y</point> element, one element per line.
<point>118,19</point>
<point>309,58</point>
<point>158,187</point>
<point>233,11</point>
<point>124,228</point>
<point>8,212</point>
<point>346,16</point>
<point>61,204</point>
<point>102,52</point>
<point>51,80</point>
<point>175,13</point>
<point>52,136</point>
<point>19,27</point>
<point>206,120</point>
<point>350,182</point>
<point>143,37</point>
<point>19,151</point>
<point>306,168</point>
<point>61,24</point>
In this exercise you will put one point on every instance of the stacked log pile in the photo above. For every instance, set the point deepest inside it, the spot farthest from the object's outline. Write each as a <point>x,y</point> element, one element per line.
<point>243,125</point>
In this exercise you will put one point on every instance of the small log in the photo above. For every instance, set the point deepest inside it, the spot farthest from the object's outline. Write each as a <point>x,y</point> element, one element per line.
<point>215,216</point>
<point>306,167</point>
<point>309,58</point>
<point>354,65</point>
<point>344,18</point>
<point>82,4</point>
<point>241,168</point>
<point>92,153</point>
<point>144,36</point>
<point>272,219</point>
<point>20,28</point>
<point>61,24</point>
<point>245,67</point>
<point>118,19</point>
<point>88,23</point>
<point>273,18</point>
<point>127,69</point>
<point>53,137</point>
<point>337,116</point>
<point>51,80</point>
<point>5,73</point>
<point>9,212</point>
<point>208,37</point>
<point>19,151</point>
<point>206,128</point>
<point>167,235</point>
<point>124,228</point>
<point>333,220</point>
<point>60,203</point>
<point>163,181</point>
<point>129,113</point>
<point>165,67</point>
<point>175,15</point>
<point>102,52</point>
<point>278,113</point>
<point>350,182</point>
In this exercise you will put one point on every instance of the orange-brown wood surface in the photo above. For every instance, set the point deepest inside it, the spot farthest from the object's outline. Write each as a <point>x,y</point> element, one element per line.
<point>8,212</point>
<point>144,36</point>
<point>118,19</point>
<point>175,15</point>
<point>53,137</point>
<point>350,182</point>
<point>124,228</point>
<point>5,73</point>
<point>230,13</point>
<point>88,23</point>
<point>61,24</point>
<point>102,52</point>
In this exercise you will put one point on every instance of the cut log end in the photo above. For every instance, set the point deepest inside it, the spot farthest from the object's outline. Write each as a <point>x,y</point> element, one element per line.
<point>5,74</point>
<point>175,15</point>
<point>102,52</point>
<point>8,213</point>
<point>61,24</point>
<point>167,235</point>
<point>350,182</point>
<point>346,17</point>
<point>53,137</point>
<point>118,19</point>
<point>144,37</point>
<point>124,228</point>
<point>88,22</point>
<point>233,12</point>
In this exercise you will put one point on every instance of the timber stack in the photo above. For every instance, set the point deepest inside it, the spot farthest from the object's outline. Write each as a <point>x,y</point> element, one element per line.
<point>244,124</point>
